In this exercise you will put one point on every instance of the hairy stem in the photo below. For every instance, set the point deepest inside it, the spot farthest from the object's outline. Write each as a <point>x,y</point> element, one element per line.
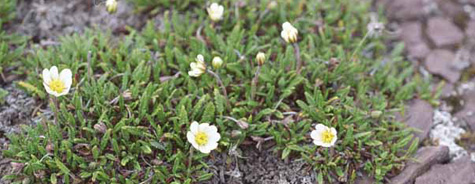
<point>297,57</point>
<point>254,82</point>
<point>223,88</point>
<point>190,158</point>
<point>89,66</point>
<point>359,45</point>
<point>55,109</point>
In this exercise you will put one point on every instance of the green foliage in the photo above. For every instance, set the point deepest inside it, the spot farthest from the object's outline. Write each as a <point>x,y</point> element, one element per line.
<point>7,10</point>
<point>3,94</point>
<point>147,111</point>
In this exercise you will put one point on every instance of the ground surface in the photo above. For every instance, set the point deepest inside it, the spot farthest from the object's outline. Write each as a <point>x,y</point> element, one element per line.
<point>439,39</point>
<point>439,42</point>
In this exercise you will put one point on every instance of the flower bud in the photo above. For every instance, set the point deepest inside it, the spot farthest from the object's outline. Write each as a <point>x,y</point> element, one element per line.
<point>17,166</point>
<point>289,33</point>
<point>100,127</point>
<point>49,148</point>
<point>235,133</point>
<point>272,5</point>
<point>376,114</point>
<point>215,12</point>
<point>111,6</point>
<point>260,58</point>
<point>217,62</point>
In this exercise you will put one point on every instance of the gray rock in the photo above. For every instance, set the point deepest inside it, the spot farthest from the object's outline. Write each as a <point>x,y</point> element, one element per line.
<point>461,171</point>
<point>443,32</point>
<point>452,9</point>
<point>419,116</point>
<point>467,113</point>
<point>425,158</point>
<point>412,36</point>
<point>441,62</point>
<point>405,9</point>
<point>365,179</point>
<point>470,29</point>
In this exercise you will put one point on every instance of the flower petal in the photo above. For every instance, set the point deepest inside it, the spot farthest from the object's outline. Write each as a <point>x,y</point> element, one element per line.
<point>320,127</point>
<point>214,137</point>
<point>200,58</point>
<point>314,135</point>
<point>211,146</point>
<point>194,127</point>
<point>66,76</point>
<point>194,73</point>
<point>204,149</point>
<point>46,76</point>
<point>54,72</point>
<point>335,137</point>
<point>48,90</point>
<point>203,127</point>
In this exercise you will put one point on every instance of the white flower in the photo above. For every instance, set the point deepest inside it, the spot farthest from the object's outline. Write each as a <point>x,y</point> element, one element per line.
<point>198,67</point>
<point>261,58</point>
<point>272,5</point>
<point>324,136</point>
<point>215,12</point>
<point>111,6</point>
<point>203,137</point>
<point>289,33</point>
<point>57,84</point>
<point>375,29</point>
<point>217,62</point>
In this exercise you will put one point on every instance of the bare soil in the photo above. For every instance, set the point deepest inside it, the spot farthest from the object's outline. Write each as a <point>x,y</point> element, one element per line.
<point>46,20</point>
<point>252,165</point>
<point>17,110</point>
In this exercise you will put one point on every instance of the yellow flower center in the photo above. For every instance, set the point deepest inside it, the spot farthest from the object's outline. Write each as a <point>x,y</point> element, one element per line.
<point>56,85</point>
<point>201,138</point>
<point>327,136</point>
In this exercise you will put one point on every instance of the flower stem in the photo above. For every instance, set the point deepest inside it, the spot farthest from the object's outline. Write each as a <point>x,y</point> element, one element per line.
<point>359,45</point>
<point>89,66</point>
<point>220,83</point>
<point>254,82</point>
<point>190,158</point>
<point>55,109</point>
<point>297,57</point>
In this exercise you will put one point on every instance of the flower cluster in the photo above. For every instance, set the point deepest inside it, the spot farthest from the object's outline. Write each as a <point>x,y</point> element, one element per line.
<point>215,12</point>
<point>289,33</point>
<point>198,67</point>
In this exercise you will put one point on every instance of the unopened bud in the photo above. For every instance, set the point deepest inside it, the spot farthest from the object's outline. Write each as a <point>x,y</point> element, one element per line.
<point>111,6</point>
<point>272,5</point>
<point>376,114</point>
<point>49,148</point>
<point>261,58</point>
<point>235,133</point>
<point>100,127</point>
<point>217,62</point>
<point>17,166</point>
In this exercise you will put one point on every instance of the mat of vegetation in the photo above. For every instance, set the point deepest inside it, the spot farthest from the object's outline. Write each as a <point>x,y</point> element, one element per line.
<point>132,100</point>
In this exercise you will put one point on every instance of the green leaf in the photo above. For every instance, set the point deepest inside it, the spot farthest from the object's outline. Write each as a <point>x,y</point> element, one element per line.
<point>62,167</point>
